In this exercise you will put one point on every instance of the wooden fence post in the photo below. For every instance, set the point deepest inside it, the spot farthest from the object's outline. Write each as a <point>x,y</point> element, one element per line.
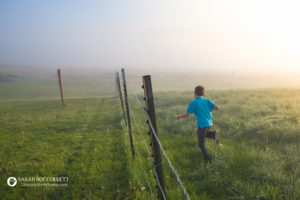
<point>120,95</point>
<point>154,144</point>
<point>61,86</point>
<point>127,112</point>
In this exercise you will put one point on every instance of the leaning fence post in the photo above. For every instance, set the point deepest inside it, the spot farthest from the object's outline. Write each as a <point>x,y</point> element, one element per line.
<point>154,144</point>
<point>127,112</point>
<point>120,95</point>
<point>60,86</point>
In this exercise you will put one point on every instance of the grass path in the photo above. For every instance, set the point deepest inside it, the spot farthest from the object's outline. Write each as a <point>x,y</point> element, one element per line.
<point>83,141</point>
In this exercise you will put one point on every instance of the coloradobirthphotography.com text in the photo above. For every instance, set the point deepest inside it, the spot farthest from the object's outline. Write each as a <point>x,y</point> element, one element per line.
<point>38,181</point>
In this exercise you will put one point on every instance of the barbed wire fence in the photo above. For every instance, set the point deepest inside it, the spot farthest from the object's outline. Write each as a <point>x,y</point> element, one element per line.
<point>155,142</point>
<point>149,154</point>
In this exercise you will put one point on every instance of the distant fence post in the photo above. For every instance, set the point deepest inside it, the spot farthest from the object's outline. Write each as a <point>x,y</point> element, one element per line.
<point>154,144</point>
<point>120,95</point>
<point>127,112</point>
<point>61,86</point>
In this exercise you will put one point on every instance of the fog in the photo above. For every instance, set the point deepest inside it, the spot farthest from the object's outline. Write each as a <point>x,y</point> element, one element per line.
<point>233,37</point>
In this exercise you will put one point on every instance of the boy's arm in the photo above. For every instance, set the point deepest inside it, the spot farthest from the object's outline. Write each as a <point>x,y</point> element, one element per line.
<point>213,106</point>
<point>216,107</point>
<point>183,115</point>
<point>189,111</point>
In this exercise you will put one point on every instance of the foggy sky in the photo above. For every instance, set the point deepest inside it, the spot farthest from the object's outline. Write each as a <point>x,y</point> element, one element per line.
<point>233,35</point>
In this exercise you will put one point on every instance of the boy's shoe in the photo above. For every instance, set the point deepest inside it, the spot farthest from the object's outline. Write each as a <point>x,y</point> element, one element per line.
<point>217,138</point>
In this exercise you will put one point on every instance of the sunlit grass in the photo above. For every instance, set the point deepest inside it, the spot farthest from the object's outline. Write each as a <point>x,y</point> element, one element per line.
<point>82,141</point>
<point>88,142</point>
<point>259,156</point>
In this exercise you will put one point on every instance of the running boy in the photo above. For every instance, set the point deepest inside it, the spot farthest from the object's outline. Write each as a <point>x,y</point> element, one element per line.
<point>201,108</point>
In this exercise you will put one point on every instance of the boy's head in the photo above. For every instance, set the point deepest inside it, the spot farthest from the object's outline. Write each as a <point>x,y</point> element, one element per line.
<point>199,91</point>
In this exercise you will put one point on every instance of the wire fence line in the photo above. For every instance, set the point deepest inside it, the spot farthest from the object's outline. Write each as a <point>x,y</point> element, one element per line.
<point>139,130</point>
<point>156,176</point>
<point>138,178</point>
<point>161,147</point>
<point>142,166</point>
<point>140,159</point>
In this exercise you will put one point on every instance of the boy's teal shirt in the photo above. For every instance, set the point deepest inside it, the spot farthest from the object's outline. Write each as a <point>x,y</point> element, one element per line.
<point>201,108</point>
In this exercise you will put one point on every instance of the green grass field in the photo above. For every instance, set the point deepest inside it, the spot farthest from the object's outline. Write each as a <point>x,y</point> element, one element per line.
<point>83,141</point>
<point>259,156</point>
<point>88,142</point>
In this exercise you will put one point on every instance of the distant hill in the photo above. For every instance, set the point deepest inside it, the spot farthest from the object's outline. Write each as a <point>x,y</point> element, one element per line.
<point>4,77</point>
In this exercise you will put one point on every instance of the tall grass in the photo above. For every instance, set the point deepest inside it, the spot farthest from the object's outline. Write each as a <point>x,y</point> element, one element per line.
<point>88,142</point>
<point>259,155</point>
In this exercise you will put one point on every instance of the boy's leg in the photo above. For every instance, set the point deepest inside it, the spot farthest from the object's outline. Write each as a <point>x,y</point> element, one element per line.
<point>213,135</point>
<point>210,134</point>
<point>201,140</point>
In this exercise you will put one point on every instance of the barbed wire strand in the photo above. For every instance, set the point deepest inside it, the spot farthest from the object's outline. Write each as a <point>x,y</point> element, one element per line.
<point>142,166</point>
<point>162,149</point>
<point>153,165</point>
<point>139,130</point>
